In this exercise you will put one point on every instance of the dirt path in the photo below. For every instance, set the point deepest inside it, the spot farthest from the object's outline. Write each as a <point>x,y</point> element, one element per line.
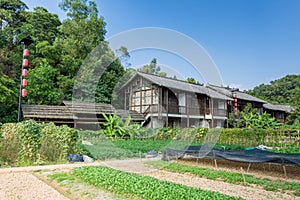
<point>23,185</point>
<point>13,180</point>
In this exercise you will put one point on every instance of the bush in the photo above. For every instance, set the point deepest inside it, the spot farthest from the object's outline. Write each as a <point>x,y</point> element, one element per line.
<point>245,137</point>
<point>30,142</point>
<point>8,145</point>
<point>28,133</point>
<point>57,142</point>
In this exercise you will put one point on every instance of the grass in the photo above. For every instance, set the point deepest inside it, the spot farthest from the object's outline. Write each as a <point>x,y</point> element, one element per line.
<point>229,177</point>
<point>143,187</point>
<point>60,177</point>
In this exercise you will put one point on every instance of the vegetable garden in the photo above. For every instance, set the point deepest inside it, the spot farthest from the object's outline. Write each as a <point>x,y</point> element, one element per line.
<point>32,143</point>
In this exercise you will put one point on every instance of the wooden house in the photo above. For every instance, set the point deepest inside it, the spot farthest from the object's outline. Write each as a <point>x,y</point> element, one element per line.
<point>78,115</point>
<point>279,112</point>
<point>168,102</point>
<point>239,99</point>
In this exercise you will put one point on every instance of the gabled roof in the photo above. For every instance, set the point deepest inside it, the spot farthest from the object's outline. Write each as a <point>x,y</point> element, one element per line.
<point>240,95</point>
<point>284,108</point>
<point>99,108</point>
<point>47,112</point>
<point>89,108</point>
<point>74,110</point>
<point>172,83</point>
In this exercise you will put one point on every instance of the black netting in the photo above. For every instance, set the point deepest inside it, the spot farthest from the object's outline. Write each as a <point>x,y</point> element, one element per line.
<point>249,156</point>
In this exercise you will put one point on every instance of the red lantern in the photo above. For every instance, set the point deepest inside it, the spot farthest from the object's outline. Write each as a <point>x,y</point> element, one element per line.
<point>25,63</point>
<point>24,82</point>
<point>26,53</point>
<point>24,72</point>
<point>24,92</point>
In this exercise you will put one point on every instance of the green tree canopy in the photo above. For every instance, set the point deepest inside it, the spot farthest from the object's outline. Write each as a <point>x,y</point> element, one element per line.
<point>281,91</point>
<point>152,68</point>
<point>42,88</point>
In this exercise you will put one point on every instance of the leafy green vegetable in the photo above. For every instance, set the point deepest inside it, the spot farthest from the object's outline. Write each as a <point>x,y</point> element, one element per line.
<point>229,177</point>
<point>141,186</point>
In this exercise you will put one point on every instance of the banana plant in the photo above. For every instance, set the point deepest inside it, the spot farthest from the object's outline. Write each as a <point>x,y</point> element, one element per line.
<point>115,126</point>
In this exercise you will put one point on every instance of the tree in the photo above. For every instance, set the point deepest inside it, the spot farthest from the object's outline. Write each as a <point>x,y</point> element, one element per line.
<point>12,16</point>
<point>152,68</point>
<point>8,99</point>
<point>79,35</point>
<point>193,81</point>
<point>42,89</point>
<point>123,56</point>
<point>41,25</point>
<point>294,117</point>
<point>281,91</point>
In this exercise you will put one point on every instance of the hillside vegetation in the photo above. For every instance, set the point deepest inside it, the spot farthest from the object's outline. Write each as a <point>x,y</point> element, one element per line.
<point>285,90</point>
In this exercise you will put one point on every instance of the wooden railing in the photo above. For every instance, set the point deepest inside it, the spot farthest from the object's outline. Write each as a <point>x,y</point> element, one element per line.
<point>189,110</point>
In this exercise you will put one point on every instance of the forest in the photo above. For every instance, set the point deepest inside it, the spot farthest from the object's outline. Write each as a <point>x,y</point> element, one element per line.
<point>61,47</point>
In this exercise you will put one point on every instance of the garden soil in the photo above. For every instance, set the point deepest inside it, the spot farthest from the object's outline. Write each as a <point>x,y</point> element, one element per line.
<point>24,183</point>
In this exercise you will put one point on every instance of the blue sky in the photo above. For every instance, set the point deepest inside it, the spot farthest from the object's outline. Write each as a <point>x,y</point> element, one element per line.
<point>250,41</point>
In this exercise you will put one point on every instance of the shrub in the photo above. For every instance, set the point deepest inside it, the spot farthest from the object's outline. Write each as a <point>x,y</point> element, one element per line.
<point>57,141</point>
<point>30,142</point>
<point>28,133</point>
<point>8,145</point>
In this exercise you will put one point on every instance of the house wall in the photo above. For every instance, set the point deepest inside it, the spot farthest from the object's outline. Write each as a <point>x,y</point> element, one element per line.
<point>172,107</point>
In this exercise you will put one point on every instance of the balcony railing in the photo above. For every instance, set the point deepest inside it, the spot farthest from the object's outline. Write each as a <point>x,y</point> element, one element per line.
<point>188,110</point>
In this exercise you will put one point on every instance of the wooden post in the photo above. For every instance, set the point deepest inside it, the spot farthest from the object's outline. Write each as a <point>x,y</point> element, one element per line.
<point>212,112</point>
<point>248,167</point>
<point>167,107</point>
<point>151,107</point>
<point>160,92</point>
<point>284,171</point>
<point>130,96</point>
<point>141,95</point>
<point>243,174</point>
<point>187,111</point>
<point>125,102</point>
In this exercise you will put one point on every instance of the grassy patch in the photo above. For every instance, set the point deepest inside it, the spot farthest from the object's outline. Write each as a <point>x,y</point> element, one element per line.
<point>229,177</point>
<point>143,187</point>
<point>60,177</point>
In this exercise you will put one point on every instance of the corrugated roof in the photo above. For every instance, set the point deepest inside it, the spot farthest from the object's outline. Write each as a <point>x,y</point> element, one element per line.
<point>240,95</point>
<point>277,107</point>
<point>182,85</point>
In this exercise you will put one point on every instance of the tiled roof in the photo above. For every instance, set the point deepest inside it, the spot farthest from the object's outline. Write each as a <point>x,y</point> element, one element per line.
<point>182,85</point>
<point>284,108</point>
<point>240,95</point>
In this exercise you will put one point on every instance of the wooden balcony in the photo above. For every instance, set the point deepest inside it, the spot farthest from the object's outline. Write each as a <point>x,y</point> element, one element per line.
<point>185,110</point>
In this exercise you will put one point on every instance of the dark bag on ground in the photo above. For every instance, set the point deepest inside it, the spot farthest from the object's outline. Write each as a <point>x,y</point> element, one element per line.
<point>75,157</point>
